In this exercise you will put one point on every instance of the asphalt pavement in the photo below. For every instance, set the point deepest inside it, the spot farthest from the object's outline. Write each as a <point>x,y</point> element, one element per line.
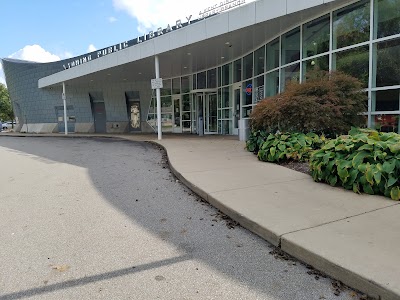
<point>100,218</point>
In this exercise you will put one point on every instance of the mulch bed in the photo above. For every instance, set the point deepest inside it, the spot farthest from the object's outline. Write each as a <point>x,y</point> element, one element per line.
<point>302,167</point>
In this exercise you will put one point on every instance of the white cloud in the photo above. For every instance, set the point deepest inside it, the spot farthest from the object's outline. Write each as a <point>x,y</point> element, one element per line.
<point>152,14</point>
<point>34,53</point>
<point>65,55</point>
<point>31,53</point>
<point>112,19</point>
<point>91,48</point>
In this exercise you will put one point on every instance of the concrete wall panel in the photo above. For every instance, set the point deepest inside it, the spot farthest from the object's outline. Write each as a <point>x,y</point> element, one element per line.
<point>297,5</point>
<point>243,17</point>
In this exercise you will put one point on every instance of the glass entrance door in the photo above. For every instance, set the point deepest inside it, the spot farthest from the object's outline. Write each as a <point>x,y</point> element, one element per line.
<point>210,114</point>
<point>177,114</point>
<point>236,107</point>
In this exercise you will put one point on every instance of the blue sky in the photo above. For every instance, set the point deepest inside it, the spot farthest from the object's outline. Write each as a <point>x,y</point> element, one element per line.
<point>63,27</point>
<point>49,30</point>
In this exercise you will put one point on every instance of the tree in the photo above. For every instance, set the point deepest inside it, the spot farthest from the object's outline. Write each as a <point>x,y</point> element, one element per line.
<point>329,103</point>
<point>6,111</point>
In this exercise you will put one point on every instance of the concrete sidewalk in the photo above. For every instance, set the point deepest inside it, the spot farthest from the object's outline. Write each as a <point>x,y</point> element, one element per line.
<point>353,238</point>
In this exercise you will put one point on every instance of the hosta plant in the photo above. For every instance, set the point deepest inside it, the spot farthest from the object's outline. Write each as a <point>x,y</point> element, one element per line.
<point>363,161</point>
<point>256,139</point>
<point>289,146</point>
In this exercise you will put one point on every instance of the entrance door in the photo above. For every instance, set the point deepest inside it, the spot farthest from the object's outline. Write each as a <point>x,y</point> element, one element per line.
<point>210,114</point>
<point>99,114</point>
<point>177,113</point>
<point>236,107</point>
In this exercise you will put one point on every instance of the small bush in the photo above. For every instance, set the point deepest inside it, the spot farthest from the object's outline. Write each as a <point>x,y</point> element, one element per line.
<point>329,103</point>
<point>363,161</point>
<point>288,146</point>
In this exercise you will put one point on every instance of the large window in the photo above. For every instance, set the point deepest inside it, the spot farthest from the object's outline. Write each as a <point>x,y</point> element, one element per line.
<point>248,66</point>
<point>387,13</point>
<point>272,84</point>
<point>273,54</point>
<point>227,74</point>
<point>387,100</point>
<point>237,70</point>
<point>166,90</point>
<point>354,62</point>
<point>176,86</point>
<point>290,73</point>
<point>259,60</point>
<point>388,63</point>
<point>212,78</point>
<point>186,84</point>
<point>316,63</point>
<point>201,80</point>
<point>351,24</point>
<point>316,36</point>
<point>291,46</point>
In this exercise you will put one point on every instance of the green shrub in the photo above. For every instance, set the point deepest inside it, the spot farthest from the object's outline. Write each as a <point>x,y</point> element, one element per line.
<point>362,161</point>
<point>329,103</point>
<point>289,146</point>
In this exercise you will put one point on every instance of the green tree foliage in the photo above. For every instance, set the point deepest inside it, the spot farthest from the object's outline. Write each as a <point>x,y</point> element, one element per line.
<point>326,103</point>
<point>6,112</point>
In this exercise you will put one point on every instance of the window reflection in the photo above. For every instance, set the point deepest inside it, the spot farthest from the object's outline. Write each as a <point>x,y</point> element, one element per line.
<point>387,17</point>
<point>316,36</point>
<point>388,63</point>
<point>290,73</point>
<point>272,84</point>
<point>291,46</point>
<point>351,25</point>
<point>273,54</point>
<point>354,62</point>
<point>317,63</point>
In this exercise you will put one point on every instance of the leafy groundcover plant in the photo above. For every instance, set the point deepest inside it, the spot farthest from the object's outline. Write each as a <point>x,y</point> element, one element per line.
<point>363,161</point>
<point>280,147</point>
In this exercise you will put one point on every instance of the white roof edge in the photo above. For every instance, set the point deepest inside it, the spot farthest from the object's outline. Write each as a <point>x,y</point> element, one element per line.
<point>246,15</point>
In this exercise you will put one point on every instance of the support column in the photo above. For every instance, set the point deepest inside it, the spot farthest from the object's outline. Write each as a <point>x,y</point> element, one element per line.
<point>64,97</point>
<point>158,100</point>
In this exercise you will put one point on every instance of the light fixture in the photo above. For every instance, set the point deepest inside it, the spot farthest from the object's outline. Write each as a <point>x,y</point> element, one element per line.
<point>108,74</point>
<point>185,67</point>
<point>140,73</point>
<point>124,79</point>
<point>189,53</point>
<point>91,80</point>
<point>227,43</point>
<point>222,57</point>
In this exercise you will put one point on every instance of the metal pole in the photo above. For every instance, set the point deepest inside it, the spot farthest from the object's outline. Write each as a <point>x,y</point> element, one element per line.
<point>64,97</point>
<point>158,100</point>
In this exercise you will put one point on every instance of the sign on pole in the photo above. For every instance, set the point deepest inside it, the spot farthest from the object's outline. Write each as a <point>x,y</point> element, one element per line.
<point>156,83</point>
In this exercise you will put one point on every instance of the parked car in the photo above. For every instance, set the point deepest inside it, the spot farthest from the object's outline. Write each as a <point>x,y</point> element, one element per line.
<point>8,125</point>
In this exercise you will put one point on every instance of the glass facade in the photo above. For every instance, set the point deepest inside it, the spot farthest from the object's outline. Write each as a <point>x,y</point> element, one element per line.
<point>361,39</point>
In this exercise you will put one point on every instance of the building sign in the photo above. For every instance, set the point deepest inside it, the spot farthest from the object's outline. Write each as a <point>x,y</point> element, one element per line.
<point>208,12</point>
<point>156,83</point>
<point>249,89</point>
<point>220,8</point>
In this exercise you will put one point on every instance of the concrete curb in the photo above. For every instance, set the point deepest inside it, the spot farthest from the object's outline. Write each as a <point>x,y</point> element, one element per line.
<point>346,276</point>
